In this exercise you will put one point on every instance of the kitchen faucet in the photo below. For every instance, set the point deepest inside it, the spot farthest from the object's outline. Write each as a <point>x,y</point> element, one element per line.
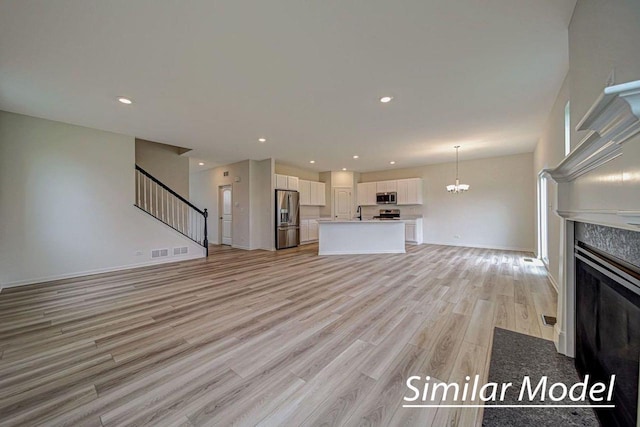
<point>359,211</point>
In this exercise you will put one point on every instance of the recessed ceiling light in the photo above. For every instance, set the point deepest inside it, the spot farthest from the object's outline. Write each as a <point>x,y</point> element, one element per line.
<point>201,164</point>
<point>392,162</point>
<point>386,99</point>
<point>262,139</point>
<point>312,161</point>
<point>356,157</point>
<point>125,100</point>
<point>344,169</point>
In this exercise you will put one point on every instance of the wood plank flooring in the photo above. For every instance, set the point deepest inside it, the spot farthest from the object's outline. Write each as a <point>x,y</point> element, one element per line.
<point>262,338</point>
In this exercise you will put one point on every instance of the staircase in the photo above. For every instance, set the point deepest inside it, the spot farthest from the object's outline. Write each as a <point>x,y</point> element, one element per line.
<point>167,206</point>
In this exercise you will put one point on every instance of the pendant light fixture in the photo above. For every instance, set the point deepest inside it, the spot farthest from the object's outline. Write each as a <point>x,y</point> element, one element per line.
<point>457,187</point>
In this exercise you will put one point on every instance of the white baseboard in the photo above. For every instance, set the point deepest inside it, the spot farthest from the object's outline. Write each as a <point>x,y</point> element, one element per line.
<point>99,271</point>
<point>553,281</point>
<point>244,248</point>
<point>497,247</point>
<point>560,340</point>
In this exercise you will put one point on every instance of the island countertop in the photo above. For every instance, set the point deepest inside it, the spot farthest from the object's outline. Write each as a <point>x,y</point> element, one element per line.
<point>369,236</point>
<point>351,221</point>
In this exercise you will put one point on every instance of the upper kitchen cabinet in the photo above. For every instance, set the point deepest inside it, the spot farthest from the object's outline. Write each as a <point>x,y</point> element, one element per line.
<point>311,193</point>
<point>409,191</point>
<point>367,193</point>
<point>292,183</point>
<point>285,182</point>
<point>386,186</point>
<point>305,192</point>
<point>281,182</point>
<point>322,195</point>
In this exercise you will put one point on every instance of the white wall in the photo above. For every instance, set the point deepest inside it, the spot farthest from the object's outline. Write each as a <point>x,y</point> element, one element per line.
<point>66,203</point>
<point>309,175</point>
<point>203,189</point>
<point>166,163</point>
<point>497,212</point>
<point>262,207</point>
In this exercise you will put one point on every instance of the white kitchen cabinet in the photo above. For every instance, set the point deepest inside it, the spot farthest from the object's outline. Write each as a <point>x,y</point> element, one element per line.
<point>321,193</point>
<point>386,186</point>
<point>413,231</point>
<point>292,183</point>
<point>304,230</point>
<point>304,187</point>
<point>313,229</point>
<point>282,182</point>
<point>409,191</point>
<point>286,182</point>
<point>308,230</point>
<point>313,188</point>
<point>367,193</point>
<point>361,194</point>
<point>311,193</point>
<point>403,192</point>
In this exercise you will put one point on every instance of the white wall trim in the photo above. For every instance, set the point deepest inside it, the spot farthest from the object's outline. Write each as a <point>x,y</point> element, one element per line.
<point>565,329</point>
<point>102,270</point>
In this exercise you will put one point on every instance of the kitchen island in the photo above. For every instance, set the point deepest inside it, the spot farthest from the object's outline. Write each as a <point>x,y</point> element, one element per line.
<point>348,237</point>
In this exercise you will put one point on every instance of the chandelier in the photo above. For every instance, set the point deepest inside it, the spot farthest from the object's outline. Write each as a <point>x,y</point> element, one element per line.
<point>457,187</point>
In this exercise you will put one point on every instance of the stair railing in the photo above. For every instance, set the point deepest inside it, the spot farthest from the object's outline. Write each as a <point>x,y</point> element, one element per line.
<point>164,204</point>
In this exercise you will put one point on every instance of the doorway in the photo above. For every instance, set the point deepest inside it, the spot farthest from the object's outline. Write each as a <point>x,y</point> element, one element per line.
<point>342,203</point>
<point>225,215</point>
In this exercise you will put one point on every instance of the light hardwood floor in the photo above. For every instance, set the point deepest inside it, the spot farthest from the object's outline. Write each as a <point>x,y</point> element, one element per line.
<point>268,338</point>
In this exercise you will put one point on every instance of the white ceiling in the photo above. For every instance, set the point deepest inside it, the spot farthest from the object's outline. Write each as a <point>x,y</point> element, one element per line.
<point>216,75</point>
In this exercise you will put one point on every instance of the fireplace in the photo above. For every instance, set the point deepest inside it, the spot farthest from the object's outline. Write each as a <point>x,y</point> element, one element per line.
<point>607,327</point>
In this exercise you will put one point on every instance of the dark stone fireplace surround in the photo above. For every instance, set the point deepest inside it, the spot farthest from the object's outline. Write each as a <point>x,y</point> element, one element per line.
<point>618,243</point>
<point>608,314</point>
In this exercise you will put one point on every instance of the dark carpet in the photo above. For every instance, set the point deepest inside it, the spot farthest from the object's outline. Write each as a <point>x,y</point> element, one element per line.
<point>515,355</point>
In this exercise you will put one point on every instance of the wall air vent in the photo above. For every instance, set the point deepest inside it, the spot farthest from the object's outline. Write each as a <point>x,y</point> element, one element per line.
<point>180,251</point>
<point>158,253</point>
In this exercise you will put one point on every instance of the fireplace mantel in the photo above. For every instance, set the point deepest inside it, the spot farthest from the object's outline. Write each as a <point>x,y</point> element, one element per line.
<point>611,121</point>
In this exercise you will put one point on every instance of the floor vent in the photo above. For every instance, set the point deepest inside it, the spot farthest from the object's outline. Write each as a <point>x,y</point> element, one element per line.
<point>158,253</point>
<point>181,251</point>
<point>549,320</point>
<point>528,260</point>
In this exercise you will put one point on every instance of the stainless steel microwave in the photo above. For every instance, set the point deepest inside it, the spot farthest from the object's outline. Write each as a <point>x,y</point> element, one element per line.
<point>386,198</point>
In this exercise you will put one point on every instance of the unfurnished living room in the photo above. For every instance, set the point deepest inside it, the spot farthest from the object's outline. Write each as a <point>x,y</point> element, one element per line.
<point>283,213</point>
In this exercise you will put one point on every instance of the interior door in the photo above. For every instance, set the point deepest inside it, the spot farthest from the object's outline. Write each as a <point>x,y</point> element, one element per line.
<point>226,215</point>
<point>342,203</point>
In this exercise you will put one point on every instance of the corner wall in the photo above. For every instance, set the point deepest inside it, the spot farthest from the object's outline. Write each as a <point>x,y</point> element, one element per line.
<point>66,204</point>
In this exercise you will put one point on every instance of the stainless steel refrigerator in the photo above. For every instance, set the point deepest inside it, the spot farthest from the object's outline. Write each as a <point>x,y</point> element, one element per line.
<point>287,219</point>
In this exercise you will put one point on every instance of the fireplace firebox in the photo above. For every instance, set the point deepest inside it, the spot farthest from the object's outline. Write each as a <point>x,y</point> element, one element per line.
<point>608,329</point>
